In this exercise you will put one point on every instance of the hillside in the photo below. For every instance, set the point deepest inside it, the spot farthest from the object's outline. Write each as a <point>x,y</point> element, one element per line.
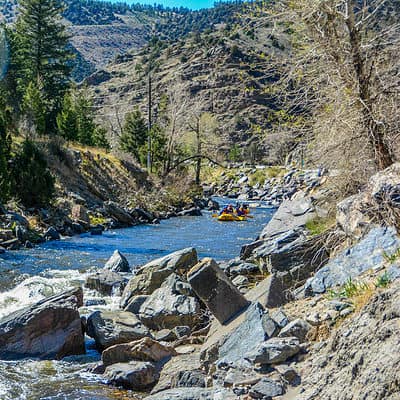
<point>100,30</point>
<point>230,70</point>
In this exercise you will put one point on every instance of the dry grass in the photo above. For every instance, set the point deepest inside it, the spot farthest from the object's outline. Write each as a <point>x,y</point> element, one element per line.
<point>319,333</point>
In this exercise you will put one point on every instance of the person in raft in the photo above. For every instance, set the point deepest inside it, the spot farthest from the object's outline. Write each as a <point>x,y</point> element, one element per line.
<point>227,210</point>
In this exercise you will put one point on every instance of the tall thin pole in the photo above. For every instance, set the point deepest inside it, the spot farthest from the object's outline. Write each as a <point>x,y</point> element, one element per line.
<point>149,128</point>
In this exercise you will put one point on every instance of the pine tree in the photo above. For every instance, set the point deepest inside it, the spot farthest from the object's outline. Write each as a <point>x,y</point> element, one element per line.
<point>85,120</point>
<point>67,123</point>
<point>40,53</point>
<point>134,133</point>
<point>31,180</point>
<point>100,138</point>
<point>34,108</point>
<point>5,148</point>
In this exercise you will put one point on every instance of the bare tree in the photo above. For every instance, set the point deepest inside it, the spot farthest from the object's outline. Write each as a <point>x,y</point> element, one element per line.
<point>344,77</point>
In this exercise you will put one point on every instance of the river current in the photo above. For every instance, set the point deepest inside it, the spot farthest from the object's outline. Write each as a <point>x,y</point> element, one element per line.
<point>28,276</point>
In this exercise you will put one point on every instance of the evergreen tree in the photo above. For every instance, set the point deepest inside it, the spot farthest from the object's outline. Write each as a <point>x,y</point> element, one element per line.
<point>31,181</point>
<point>5,148</point>
<point>134,134</point>
<point>100,138</point>
<point>85,120</point>
<point>40,54</point>
<point>34,108</point>
<point>76,121</point>
<point>158,148</point>
<point>67,123</point>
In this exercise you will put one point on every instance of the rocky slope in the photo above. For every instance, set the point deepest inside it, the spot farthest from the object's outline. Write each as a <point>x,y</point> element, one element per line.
<point>195,329</point>
<point>101,30</point>
<point>229,72</point>
<point>95,190</point>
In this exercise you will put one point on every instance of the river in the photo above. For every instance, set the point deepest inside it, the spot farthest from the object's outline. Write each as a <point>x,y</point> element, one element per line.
<point>27,276</point>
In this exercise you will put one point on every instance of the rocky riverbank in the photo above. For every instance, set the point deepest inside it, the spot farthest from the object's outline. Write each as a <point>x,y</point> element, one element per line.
<point>21,227</point>
<point>271,185</point>
<point>302,313</point>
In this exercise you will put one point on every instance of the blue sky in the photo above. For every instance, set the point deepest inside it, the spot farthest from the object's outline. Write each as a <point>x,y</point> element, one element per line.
<point>193,4</point>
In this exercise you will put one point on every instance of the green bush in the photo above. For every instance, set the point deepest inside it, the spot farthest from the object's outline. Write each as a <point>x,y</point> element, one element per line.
<point>31,181</point>
<point>319,225</point>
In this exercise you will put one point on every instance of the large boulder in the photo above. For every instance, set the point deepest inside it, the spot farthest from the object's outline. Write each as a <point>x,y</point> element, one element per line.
<point>194,393</point>
<point>297,328</point>
<point>51,328</point>
<point>377,203</point>
<point>274,351</point>
<point>106,282</point>
<point>169,306</point>
<point>152,275</point>
<point>351,217</point>
<point>231,343</point>
<point>216,290</point>
<point>109,328</point>
<point>370,253</point>
<point>291,215</point>
<point>291,259</point>
<point>79,214</point>
<point>135,375</point>
<point>118,213</point>
<point>117,263</point>
<point>181,371</point>
<point>145,349</point>
<point>266,389</point>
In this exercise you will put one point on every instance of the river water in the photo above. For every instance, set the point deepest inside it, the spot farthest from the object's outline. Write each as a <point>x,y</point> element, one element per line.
<point>27,276</point>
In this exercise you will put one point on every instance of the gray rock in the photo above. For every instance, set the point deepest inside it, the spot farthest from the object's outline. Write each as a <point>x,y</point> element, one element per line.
<point>21,233</point>
<point>213,205</point>
<point>165,335</point>
<point>145,349</point>
<point>215,289</point>
<point>152,275</point>
<point>280,318</point>
<point>271,328</point>
<point>77,228</point>
<point>135,303</point>
<point>297,328</point>
<point>118,213</point>
<point>49,329</point>
<point>52,234</point>
<point>292,214</point>
<point>368,254</point>
<point>182,331</point>
<point>117,263</point>
<point>274,351</point>
<point>106,282</point>
<point>288,374</point>
<point>193,394</point>
<point>181,370</point>
<point>114,327</point>
<point>135,375</point>
<point>271,292</point>
<point>191,212</point>
<point>196,378</point>
<point>246,335</point>
<point>393,272</point>
<point>266,389</point>
<point>168,308</point>
<point>96,230</point>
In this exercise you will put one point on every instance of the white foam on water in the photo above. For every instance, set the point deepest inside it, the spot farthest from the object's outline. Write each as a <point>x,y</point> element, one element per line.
<point>36,288</point>
<point>51,282</point>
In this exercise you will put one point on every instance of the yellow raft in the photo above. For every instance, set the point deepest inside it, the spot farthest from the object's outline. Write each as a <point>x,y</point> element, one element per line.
<point>231,217</point>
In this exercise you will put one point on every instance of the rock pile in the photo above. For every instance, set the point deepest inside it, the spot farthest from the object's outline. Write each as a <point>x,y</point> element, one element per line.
<point>272,190</point>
